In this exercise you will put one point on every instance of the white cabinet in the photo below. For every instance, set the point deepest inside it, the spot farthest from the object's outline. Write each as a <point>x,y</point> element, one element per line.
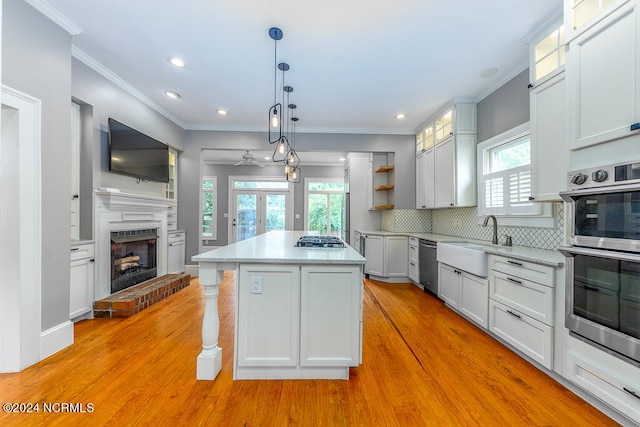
<point>82,280</point>
<point>330,316</point>
<point>292,316</point>
<point>268,316</point>
<point>374,253</point>
<point>549,151</point>
<point>455,172</point>
<point>414,259</point>
<point>386,257</point>
<point>175,252</point>
<point>464,292</point>
<point>603,77</point>
<point>425,139</point>
<point>370,186</point>
<point>580,15</point>
<point>521,306</point>
<point>425,179</point>
<point>606,377</point>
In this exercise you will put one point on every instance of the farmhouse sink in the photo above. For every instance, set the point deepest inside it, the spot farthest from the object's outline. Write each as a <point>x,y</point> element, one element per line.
<point>469,257</point>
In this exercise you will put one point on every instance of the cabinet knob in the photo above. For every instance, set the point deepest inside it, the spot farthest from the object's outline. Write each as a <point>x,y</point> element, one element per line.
<point>530,85</point>
<point>75,196</point>
<point>92,260</point>
<point>531,198</point>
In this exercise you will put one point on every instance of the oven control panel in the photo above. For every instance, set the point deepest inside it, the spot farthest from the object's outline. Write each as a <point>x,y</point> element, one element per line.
<point>623,173</point>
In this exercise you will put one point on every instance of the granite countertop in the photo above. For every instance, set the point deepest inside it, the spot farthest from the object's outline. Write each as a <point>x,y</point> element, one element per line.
<point>548,257</point>
<point>278,247</point>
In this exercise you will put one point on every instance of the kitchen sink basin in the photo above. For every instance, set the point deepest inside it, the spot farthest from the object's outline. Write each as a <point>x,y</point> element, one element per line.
<point>469,257</point>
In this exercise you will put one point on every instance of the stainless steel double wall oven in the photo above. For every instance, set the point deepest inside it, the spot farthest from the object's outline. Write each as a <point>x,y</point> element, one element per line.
<point>603,261</point>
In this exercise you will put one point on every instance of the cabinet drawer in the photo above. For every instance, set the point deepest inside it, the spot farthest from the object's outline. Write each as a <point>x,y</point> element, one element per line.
<point>414,241</point>
<point>527,297</point>
<point>176,237</point>
<point>604,385</point>
<point>414,271</point>
<point>81,252</point>
<point>526,270</point>
<point>533,338</point>
<point>413,253</point>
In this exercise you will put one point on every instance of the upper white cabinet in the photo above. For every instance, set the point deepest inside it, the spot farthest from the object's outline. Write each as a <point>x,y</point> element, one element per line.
<point>425,178</point>
<point>446,158</point>
<point>603,72</point>
<point>548,119</point>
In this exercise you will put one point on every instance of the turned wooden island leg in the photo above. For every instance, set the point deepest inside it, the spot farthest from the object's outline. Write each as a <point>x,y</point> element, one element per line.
<point>209,360</point>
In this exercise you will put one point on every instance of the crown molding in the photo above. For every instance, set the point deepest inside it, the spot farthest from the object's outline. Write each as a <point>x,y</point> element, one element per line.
<point>54,15</point>
<point>302,129</point>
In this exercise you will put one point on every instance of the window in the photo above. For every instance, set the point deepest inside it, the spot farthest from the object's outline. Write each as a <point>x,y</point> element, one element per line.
<point>505,178</point>
<point>324,205</point>
<point>209,206</point>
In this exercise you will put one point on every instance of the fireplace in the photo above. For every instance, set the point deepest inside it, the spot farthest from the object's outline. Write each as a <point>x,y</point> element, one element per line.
<point>129,226</point>
<point>133,257</point>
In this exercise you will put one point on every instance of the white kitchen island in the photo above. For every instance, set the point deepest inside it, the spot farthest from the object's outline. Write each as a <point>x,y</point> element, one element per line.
<point>298,310</point>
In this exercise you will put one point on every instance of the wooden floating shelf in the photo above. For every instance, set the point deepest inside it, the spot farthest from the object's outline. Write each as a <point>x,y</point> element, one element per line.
<point>383,207</point>
<point>384,169</point>
<point>384,187</point>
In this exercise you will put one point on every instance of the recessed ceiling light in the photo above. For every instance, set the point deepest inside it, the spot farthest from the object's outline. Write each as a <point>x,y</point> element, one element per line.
<point>221,112</point>
<point>177,62</point>
<point>172,94</point>
<point>489,72</point>
<point>400,116</point>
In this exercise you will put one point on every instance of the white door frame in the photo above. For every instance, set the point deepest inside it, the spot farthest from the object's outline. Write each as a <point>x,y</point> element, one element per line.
<point>288,192</point>
<point>20,231</point>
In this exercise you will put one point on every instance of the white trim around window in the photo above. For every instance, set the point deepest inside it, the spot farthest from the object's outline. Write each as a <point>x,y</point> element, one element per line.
<point>503,193</point>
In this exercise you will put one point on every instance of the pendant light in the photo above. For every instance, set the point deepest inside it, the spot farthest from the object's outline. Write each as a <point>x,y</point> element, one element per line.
<point>275,111</point>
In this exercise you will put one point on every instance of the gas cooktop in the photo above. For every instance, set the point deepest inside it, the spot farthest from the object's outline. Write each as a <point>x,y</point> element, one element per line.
<point>320,242</point>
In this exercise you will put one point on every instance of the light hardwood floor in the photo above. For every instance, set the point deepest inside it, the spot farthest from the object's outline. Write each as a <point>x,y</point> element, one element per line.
<point>423,365</point>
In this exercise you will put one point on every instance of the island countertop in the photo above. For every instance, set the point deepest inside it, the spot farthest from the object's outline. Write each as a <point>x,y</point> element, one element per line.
<point>278,247</point>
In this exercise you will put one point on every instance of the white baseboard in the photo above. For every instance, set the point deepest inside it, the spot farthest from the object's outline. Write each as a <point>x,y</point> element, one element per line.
<point>191,270</point>
<point>55,339</point>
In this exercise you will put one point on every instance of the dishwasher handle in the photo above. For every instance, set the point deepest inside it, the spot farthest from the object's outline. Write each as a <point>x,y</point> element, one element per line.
<point>425,245</point>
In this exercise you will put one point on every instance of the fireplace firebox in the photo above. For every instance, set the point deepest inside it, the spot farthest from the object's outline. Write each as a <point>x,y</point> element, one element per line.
<point>133,257</point>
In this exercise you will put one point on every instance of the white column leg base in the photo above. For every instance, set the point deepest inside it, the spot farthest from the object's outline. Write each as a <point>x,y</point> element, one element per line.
<point>209,364</point>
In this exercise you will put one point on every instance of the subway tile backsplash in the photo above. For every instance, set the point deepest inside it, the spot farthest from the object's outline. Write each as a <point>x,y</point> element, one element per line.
<point>463,222</point>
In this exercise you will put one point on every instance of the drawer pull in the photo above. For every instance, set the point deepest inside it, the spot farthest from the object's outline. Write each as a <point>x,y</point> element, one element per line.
<point>75,249</point>
<point>519,264</point>
<point>514,281</point>
<point>631,392</point>
<point>513,314</point>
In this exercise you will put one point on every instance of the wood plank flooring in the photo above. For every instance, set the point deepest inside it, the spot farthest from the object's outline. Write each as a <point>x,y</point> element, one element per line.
<point>423,366</point>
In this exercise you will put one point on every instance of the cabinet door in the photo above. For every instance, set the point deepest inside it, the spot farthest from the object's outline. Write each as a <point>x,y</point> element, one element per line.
<point>421,171</point>
<point>445,174</point>
<point>81,287</point>
<point>396,253</point>
<point>474,298</point>
<point>547,104</point>
<point>448,288</point>
<point>369,188</point>
<point>330,314</point>
<point>175,257</point>
<point>268,317</point>
<point>602,73</point>
<point>374,253</point>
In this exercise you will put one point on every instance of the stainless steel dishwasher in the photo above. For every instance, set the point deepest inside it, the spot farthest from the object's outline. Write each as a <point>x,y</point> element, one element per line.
<point>428,266</point>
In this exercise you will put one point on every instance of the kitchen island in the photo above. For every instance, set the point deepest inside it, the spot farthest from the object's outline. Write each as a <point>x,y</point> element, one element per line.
<point>298,310</point>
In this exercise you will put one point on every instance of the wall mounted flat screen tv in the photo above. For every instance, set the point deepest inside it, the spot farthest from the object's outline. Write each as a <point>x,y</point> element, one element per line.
<point>136,154</point>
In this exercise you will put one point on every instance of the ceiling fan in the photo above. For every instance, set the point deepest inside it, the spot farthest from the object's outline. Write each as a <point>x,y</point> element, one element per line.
<point>248,160</point>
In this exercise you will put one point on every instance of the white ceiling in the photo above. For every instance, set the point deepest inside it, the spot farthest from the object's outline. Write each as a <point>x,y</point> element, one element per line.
<point>354,63</point>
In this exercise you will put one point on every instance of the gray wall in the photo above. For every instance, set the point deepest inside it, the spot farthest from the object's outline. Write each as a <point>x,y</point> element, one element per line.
<point>505,108</point>
<point>36,60</point>
<point>222,172</point>
<point>108,100</point>
<point>403,147</point>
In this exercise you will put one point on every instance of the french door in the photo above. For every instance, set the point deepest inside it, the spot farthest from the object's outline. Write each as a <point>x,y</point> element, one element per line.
<point>256,212</point>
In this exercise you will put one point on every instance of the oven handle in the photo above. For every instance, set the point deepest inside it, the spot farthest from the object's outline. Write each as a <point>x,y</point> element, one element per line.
<point>621,256</point>
<point>569,196</point>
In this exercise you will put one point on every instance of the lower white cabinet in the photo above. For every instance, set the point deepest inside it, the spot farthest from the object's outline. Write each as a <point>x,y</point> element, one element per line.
<point>414,259</point>
<point>533,338</point>
<point>298,316</point>
<point>82,275</point>
<point>386,257</point>
<point>175,252</point>
<point>464,292</point>
<point>521,306</point>
<point>606,377</point>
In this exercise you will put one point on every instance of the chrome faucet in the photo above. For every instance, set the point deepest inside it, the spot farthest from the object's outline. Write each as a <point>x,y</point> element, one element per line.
<point>495,227</point>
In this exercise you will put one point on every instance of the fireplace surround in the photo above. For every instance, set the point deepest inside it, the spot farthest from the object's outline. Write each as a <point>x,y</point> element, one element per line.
<point>125,214</point>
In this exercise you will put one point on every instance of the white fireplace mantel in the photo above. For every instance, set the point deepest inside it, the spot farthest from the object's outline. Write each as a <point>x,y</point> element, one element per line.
<point>116,211</point>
